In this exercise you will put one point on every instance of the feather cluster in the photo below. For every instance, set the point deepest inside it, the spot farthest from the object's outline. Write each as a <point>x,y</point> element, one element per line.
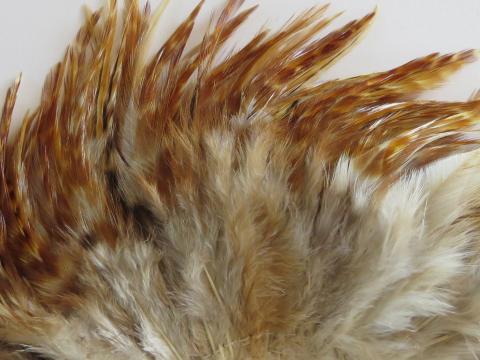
<point>202,206</point>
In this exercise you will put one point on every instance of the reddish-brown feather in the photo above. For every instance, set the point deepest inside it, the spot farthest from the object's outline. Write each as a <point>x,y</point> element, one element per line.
<point>104,114</point>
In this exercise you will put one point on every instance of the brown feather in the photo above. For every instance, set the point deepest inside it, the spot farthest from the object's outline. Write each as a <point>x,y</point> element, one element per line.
<point>198,206</point>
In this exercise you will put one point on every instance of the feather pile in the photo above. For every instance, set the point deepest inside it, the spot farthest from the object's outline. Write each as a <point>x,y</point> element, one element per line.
<point>202,206</point>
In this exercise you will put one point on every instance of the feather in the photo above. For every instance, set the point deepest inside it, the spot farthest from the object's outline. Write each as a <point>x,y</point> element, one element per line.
<point>194,205</point>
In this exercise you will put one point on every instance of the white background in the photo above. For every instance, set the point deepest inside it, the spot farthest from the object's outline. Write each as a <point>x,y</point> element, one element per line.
<point>34,34</point>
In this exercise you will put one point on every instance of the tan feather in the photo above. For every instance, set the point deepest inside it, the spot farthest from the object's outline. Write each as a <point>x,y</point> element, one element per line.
<point>194,205</point>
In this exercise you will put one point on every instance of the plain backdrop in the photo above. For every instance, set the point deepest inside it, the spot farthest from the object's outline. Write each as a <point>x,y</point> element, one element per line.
<point>35,33</point>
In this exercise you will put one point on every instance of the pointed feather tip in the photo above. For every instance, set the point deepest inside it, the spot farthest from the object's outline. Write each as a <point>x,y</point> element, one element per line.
<point>252,8</point>
<point>88,12</point>
<point>361,24</point>
<point>317,10</point>
<point>159,10</point>
<point>335,16</point>
<point>196,10</point>
<point>474,54</point>
<point>12,91</point>
<point>369,17</point>
<point>465,56</point>
<point>18,79</point>
<point>365,21</point>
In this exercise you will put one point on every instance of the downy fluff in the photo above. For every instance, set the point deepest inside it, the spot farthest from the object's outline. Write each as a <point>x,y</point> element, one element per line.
<point>195,205</point>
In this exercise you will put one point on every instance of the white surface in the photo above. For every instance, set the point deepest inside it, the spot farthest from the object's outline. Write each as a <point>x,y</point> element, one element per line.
<point>34,34</point>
